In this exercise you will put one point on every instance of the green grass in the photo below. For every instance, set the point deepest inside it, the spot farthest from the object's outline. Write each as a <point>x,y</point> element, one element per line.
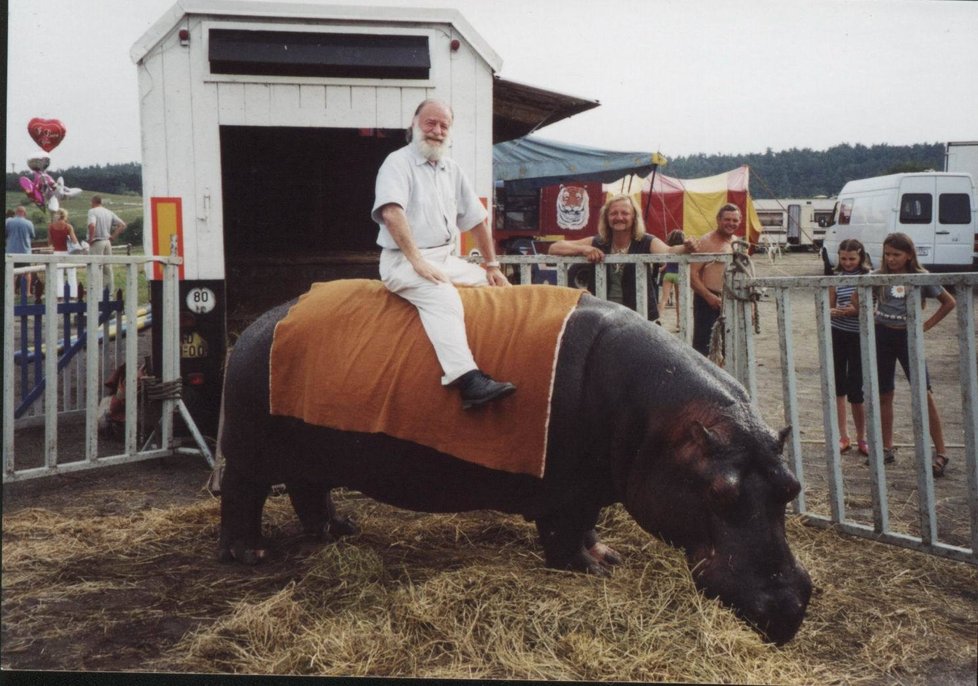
<point>128,207</point>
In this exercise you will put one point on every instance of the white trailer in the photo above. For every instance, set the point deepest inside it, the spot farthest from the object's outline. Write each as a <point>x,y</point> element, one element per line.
<point>962,156</point>
<point>263,126</point>
<point>794,222</point>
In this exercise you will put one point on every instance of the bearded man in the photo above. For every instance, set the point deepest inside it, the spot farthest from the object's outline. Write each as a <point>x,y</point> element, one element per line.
<point>423,201</point>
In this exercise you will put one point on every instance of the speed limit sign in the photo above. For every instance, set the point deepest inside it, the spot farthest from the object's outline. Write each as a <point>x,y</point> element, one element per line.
<point>201,300</point>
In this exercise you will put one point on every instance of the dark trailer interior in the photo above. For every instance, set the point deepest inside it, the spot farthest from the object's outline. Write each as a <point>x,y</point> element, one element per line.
<point>297,207</point>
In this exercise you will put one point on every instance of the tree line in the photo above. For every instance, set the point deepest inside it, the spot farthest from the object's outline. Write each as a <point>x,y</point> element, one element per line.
<point>807,173</point>
<point>794,173</point>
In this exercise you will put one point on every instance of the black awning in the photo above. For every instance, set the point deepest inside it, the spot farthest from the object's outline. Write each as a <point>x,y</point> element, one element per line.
<point>519,109</point>
<point>293,53</point>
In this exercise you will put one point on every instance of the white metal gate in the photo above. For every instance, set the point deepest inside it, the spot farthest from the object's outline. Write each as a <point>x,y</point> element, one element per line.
<point>745,368</point>
<point>94,361</point>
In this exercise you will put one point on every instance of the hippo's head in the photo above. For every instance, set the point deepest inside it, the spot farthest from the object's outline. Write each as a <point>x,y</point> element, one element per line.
<point>715,485</point>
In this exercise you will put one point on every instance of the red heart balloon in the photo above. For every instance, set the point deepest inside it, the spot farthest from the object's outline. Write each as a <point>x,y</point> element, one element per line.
<point>47,133</point>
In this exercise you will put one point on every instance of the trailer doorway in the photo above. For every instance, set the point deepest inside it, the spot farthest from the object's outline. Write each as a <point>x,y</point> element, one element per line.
<point>297,207</point>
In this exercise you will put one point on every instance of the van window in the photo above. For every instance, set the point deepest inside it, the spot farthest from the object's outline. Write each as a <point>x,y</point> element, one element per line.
<point>845,211</point>
<point>916,208</point>
<point>954,208</point>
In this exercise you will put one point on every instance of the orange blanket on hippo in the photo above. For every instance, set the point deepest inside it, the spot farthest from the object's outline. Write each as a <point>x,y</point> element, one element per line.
<point>350,355</point>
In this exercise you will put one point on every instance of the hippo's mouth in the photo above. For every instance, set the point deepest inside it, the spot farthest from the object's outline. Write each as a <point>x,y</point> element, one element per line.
<point>774,604</point>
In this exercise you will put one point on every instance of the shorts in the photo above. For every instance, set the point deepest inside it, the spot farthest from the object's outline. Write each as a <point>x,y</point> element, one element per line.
<point>891,346</point>
<point>670,277</point>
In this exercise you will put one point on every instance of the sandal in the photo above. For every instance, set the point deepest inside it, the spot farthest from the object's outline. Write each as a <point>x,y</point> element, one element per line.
<point>939,464</point>
<point>863,448</point>
<point>844,445</point>
<point>889,455</point>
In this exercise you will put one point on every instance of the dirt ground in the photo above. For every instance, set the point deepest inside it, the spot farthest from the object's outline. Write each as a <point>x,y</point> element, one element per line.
<point>128,491</point>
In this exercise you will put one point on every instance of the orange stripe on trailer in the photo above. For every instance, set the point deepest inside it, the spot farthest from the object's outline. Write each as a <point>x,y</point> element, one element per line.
<point>466,242</point>
<point>167,218</point>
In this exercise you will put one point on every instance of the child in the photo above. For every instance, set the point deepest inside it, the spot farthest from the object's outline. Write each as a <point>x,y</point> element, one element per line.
<point>670,277</point>
<point>845,345</point>
<point>900,257</point>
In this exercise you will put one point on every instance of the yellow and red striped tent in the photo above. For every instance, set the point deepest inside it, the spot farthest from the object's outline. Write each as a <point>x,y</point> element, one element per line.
<point>691,204</point>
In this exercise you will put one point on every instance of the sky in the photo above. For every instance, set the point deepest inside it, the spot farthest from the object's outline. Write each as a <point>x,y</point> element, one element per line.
<point>676,76</point>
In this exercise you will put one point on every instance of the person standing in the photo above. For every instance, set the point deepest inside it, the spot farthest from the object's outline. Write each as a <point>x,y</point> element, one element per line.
<point>59,233</point>
<point>706,278</point>
<point>423,200</point>
<point>19,234</point>
<point>670,278</point>
<point>900,257</point>
<point>104,226</point>
<point>846,354</point>
<point>621,231</point>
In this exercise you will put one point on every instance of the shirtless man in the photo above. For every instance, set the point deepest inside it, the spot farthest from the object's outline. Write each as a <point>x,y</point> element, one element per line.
<point>706,278</point>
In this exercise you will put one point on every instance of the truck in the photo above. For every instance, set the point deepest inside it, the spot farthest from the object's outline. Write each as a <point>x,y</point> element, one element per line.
<point>936,209</point>
<point>962,156</point>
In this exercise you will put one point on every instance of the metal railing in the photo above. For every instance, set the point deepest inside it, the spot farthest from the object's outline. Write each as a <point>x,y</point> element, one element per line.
<point>170,371</point>
<point>881,528</point>
<point>523,265</point>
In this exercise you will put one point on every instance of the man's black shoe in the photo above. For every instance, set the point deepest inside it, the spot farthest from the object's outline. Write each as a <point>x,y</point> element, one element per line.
<point>478,389</point>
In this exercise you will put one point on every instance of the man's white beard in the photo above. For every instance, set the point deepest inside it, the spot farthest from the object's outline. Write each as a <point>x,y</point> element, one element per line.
<point>432,152</point>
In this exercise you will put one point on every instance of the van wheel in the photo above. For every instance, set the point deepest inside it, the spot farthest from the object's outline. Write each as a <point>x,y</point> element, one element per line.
<point>826,265</point>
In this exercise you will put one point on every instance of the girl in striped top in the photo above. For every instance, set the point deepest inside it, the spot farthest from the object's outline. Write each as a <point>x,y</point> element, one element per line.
<point>845,345</point>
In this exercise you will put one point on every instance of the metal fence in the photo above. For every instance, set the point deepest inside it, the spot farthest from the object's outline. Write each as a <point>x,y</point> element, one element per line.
<point>95,360</point>
<point>881,528</point>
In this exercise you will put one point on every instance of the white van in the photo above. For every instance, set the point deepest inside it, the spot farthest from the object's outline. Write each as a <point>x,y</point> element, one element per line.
<point>936,209</point>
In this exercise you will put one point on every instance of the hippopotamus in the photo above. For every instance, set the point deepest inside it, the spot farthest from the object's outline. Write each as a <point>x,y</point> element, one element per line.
<point>637,417</point>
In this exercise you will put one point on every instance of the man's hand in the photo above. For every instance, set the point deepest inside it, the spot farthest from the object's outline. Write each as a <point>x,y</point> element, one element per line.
<point>593,254</point>
<point>691,245</point>
<point>427,270</point>
<point>714,301</point>
<point>495,277</point>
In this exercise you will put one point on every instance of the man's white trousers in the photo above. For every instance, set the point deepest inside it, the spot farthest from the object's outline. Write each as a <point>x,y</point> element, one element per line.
<point>439,304</point>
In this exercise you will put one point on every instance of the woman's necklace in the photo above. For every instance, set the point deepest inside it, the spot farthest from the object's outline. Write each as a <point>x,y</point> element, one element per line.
<point>623,250</point>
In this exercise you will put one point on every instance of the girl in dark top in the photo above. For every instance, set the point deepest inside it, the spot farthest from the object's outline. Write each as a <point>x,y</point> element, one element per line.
<point>846,354</point>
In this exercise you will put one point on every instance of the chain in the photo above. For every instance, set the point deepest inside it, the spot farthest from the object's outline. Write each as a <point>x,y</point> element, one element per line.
<point>738,283</point>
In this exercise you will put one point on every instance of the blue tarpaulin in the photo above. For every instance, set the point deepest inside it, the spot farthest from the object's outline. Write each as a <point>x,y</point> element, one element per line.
<point>532,162</point>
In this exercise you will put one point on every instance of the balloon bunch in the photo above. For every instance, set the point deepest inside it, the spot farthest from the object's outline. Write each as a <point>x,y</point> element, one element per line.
<point>43,190</point>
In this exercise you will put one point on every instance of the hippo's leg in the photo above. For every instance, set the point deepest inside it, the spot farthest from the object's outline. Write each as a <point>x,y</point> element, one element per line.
<point>317,513</point>
<point>242,501</point>
<point>565,537</point>
<point>599,551</point>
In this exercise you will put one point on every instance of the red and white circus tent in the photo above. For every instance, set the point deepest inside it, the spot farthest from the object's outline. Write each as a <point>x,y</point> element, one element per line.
<point>691,204</point>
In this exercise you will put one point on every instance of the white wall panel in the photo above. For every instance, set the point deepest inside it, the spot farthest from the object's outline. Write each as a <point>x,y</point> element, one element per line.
<point>231,103</point>
<point>258,104</point>
<point>208,215</point>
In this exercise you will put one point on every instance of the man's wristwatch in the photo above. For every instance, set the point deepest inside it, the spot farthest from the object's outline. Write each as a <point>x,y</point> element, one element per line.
<point>490,265</point>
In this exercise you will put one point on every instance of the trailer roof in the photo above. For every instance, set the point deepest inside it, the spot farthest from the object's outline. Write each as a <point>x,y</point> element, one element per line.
<point>345,13</point>
<point>518,108</point>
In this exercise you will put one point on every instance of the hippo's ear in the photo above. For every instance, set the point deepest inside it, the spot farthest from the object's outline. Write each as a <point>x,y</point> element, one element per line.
<point>783,437</point>
<point>786,486</point>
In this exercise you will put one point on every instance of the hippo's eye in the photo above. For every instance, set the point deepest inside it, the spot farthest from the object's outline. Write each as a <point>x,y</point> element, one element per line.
<point>725,488</point>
